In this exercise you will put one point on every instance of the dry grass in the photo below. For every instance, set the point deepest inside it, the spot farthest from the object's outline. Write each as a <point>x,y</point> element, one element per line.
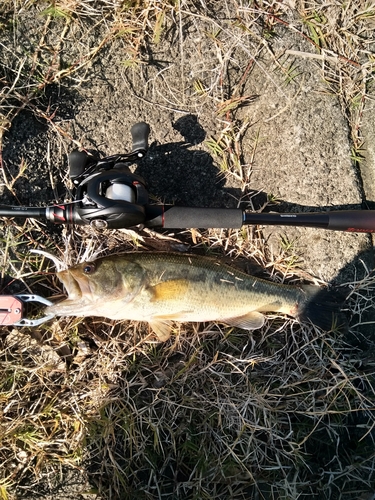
<point>285,413</point>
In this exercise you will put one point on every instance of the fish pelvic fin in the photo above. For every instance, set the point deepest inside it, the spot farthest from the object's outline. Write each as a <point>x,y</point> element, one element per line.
<point>250,321</point>
<point>323,308</point>
<point>161,328</point>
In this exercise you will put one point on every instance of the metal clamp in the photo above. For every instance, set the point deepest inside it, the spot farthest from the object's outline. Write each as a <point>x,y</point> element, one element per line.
<point>12,309</point>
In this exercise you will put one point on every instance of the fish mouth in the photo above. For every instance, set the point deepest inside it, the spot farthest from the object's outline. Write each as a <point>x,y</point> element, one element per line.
<point>76,286</point>
<point>80,296</point>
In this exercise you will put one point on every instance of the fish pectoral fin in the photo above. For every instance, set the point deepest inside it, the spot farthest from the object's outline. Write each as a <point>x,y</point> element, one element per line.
<point>250,321</point>
<point>162,329</point>
<point>170,289</point>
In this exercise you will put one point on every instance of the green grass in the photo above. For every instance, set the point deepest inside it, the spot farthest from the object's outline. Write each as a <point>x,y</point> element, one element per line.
<point>215,413</point>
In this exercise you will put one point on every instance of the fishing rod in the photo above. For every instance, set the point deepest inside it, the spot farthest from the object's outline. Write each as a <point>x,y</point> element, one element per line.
<point>109,195</point>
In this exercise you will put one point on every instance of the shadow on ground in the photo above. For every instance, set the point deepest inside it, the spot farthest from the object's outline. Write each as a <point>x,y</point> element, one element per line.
<point>178,174</point>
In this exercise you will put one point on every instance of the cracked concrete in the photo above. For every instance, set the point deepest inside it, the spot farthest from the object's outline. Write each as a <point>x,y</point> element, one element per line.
<point>303,157</point>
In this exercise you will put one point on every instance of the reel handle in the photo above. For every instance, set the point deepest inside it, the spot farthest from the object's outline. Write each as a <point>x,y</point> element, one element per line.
<point>140,132</point>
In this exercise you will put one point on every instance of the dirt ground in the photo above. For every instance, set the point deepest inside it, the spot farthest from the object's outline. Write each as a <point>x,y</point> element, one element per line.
<point>294,136</point>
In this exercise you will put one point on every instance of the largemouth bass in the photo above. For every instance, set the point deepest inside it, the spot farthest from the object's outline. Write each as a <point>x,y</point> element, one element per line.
<point>162,288</point>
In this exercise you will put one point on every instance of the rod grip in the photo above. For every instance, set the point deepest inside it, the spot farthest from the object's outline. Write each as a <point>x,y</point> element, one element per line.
<point>178,217</point>
<point>140,132</point>
<point>354,221</point>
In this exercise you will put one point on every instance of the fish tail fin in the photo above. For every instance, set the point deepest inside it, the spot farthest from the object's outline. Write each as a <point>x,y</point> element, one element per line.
<point>323,308</point>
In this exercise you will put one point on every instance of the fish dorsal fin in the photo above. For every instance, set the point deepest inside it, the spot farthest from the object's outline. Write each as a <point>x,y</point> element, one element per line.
<point>162,329</point>
<point>170,289</point>
<point>250,321</point>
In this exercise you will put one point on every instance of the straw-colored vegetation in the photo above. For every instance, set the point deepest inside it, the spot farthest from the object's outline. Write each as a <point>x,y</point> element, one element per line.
<point>214,413</point>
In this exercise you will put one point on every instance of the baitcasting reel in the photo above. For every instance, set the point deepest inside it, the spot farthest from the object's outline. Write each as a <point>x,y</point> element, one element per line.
<point>107,194</point>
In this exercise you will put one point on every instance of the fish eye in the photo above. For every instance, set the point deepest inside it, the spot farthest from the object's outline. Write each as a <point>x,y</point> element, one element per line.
<point>89,268</point>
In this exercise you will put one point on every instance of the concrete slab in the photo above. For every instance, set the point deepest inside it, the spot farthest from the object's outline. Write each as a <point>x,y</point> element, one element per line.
<point>302,156</point>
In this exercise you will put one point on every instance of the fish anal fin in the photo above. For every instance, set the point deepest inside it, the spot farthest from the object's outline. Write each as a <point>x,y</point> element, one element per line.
<point>250,321</point>
<point>161,328</point>
<point>170,289</point>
